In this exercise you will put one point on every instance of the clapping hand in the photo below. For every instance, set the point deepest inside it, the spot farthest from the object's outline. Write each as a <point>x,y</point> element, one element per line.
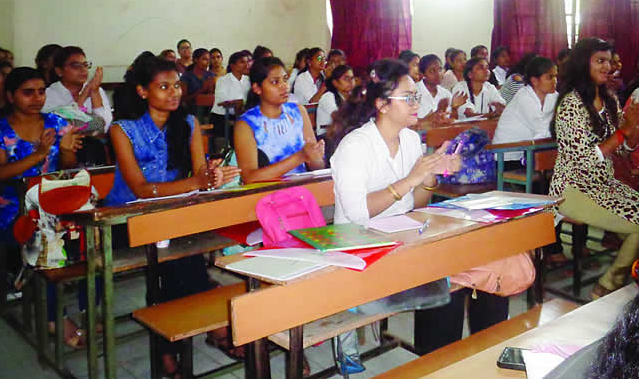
<point>223,174</point>
<point>72,141</point>
<point>47,138</point>
<point>313,151</point>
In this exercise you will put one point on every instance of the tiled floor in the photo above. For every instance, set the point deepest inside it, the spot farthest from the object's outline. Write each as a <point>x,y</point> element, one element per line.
<point>18,359</point>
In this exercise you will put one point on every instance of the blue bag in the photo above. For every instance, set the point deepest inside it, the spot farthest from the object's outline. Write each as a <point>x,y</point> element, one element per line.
<point>478,165</point>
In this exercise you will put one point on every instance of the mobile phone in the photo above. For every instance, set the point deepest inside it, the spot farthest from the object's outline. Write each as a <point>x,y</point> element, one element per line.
<point>512,358</point>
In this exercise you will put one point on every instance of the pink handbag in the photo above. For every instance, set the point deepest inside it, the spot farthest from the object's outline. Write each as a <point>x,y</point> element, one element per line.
<point>287,209</point>
<point>505,277</point>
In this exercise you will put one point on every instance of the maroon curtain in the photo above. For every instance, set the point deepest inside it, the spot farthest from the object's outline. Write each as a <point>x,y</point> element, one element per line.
<point>530,26</point>
<point>616,21</point>
<point>368,30</point>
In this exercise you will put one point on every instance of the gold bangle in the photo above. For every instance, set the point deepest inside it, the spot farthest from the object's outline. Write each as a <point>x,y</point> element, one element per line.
<point>427,188</point>
<point>393,192</point>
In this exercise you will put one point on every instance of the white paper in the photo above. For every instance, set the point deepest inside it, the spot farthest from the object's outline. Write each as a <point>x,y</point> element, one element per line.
<point>469,119</point>
<point>275,268</point>
<point>185,194</point>
<point>332,258</point>
<point>393,224</point>
<point>316,173</point>
<point>472,215</point>
<point>255,237</point>
<point>496,201</point>
<point>539,365</point>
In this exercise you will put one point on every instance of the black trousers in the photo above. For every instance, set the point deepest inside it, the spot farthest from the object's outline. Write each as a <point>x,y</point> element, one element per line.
<point>438,327</point>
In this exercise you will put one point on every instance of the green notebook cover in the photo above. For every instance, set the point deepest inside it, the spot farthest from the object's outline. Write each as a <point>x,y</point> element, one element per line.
<point>341,237</point>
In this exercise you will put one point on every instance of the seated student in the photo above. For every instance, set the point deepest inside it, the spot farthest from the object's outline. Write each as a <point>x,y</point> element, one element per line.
<point>231,90</point>
<point>309,85</point>
<point>501,60</point>
<point>159,153</point>
<point>483,97</point>
<point>6,56</point>
<point>217,63</point>
<point>449,63</point>
<point>515,78</point>
<point>281,131</point>
<point>186,58</point>
<point>336,57</point>
<point>479,51</point>
<point>298,66</point>
<point>528,115</point>
<point>561,60</point>
<point>615,81</point>
<point>436,103</point>
<point>261,52</point>
<point>338,88</point>
<point>44,62</point>
<point>456,72</point>
<point>412,61</point>
<point>169,55</point>
<point>32,143</point>
<point>198,80</point>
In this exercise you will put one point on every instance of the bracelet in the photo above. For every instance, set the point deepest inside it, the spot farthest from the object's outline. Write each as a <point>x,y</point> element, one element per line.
<point>393,192</point>
<point>427,188</point>
<point>621,138</point>
<point>155,189</point>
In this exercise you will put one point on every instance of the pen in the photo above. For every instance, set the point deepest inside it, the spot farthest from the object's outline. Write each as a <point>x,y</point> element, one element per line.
<point>424,226</point>
<point>457,151</point>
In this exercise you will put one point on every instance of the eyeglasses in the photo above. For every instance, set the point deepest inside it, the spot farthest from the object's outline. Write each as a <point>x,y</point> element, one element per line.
<point>320,58</point>
<point>412,99</point>
<point>78,65</point>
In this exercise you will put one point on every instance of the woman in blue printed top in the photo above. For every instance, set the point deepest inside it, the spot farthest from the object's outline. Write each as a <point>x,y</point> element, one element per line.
<point>281,131</point>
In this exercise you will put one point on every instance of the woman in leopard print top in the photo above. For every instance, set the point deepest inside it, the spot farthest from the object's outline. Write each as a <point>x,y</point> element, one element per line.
<point>590,128</point>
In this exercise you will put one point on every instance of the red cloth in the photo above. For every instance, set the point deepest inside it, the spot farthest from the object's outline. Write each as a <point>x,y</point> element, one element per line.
<point>530,26</point>
<point>368,30</point>
<point>614,21</point>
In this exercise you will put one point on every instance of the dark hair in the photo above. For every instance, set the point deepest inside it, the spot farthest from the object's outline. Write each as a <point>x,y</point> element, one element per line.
<point>236,56</point>
<point>309,57</point>
<point>454,54</point>
<point>64,53</point>
<point>15,79</point>
<point>360,106</point>
<point>563,53</point>
<point>178,132</point>
<point>497,52</point>
<point>166,52</point>
<point>447,54</point>
<point>216,50</point>
<point>426,61</point>
<point>577,78</point>
<point>520,67</point>
<point>617,353</point>
<point>259,72</point>
<point>468,68</point>
<point>44,53</point>
<point>260,51</point>
<point>337,73</point>
<point>181,42</point>
<point>196,55</point>
<point>475,50</point>
<point>301,56</point>
<point>537,67</point>
<point>334,53</point>
<point>407,55</point>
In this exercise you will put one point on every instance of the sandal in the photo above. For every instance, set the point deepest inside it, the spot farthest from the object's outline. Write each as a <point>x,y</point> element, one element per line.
<point>219,338</point>
<point>74,336</point>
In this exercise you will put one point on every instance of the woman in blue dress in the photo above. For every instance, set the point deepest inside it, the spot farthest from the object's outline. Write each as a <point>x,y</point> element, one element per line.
<point>31,143</point>
<point>279,131</point>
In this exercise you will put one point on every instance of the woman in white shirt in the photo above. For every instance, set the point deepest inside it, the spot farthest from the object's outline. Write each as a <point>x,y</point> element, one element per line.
<point>338,88</point>
<point>298,66</point>
<point>483,97</point>
<point>309,85</point>
<point>437,102</point>
<point>231,90</point>
<point>456,73</point>
<point>528,115</point>
<point>501,59</point>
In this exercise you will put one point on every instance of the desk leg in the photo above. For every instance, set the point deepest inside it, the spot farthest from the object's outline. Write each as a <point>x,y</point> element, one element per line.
<point>500,171</point>
<point>107,305</point>
<point>92,348</point>
<point>257,363</point>
<point>187,358</point>
<point>530,170</point>
<point>295,354</point>
<point>152,275</point>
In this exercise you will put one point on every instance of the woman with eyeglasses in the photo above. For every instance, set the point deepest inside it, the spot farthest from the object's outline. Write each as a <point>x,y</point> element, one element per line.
<point>186,56</point>
<point>339,87</point>
<point>378,167</point>
<point>483,97</point>
<point>310,85</point>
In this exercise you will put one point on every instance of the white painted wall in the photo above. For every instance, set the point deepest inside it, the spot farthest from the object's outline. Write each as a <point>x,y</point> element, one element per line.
<point>440,24</point>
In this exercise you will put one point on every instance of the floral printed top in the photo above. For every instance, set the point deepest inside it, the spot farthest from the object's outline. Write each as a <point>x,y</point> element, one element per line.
<point>579,165</point>
<point>16,149</point>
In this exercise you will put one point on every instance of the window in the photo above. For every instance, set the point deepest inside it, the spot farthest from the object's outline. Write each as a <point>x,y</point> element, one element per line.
<point>572,21</point>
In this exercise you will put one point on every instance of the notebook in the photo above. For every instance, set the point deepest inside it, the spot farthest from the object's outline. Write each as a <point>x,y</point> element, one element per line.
<point>275,268</point>
<point>393,224</point>
<point>341,237</point>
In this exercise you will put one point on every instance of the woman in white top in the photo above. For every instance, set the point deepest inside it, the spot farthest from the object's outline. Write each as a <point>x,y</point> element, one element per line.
<point>72,69</point>
<point>309,85</point>
<point>528,115</point>
<point>231,90</point>
<point>483,97</point>
<point>436,102</point>
<point>456,73</point>
<point>298,66</point>
<point>501,60</point>
<point>338,88</point>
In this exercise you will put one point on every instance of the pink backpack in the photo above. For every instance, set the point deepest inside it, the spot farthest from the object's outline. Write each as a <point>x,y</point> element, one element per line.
<point>287,209</point>
<point>505,277</point>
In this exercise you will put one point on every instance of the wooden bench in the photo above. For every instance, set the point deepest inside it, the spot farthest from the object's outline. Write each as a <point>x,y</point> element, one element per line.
<point>181,319</point>
<point>480,341</point>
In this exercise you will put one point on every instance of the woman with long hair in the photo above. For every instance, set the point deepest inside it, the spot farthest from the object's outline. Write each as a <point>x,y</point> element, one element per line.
<point>217,62</point>
<point>437,103</point>
<point>198,80</point>
<point>310,84</point>
<point>338,87</point>
<point>483,97</point>
<point>455,73</point>
<point>298,66</point>
<point>590,127</point>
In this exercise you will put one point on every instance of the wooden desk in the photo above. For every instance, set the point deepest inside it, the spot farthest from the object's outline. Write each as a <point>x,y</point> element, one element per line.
<point>162,220</point>
<point>422,259</point>
<point>580,327</point>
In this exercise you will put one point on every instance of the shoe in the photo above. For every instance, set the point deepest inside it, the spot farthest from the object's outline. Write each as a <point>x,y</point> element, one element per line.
<point>599,291</point>
<point>351,365</point>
